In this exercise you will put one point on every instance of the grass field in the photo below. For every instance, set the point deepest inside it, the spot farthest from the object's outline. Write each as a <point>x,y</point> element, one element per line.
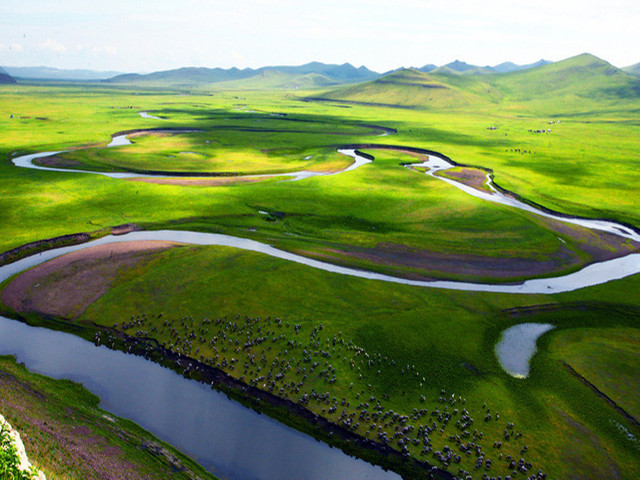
<point>395,345</point>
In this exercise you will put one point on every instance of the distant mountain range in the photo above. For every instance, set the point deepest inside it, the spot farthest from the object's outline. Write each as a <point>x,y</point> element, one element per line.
<point>49,73</point>
<point>567,84</point>
<point>312,74</point>
<point>458,67</point>
<point>309,76</point>
<point>5,77</point>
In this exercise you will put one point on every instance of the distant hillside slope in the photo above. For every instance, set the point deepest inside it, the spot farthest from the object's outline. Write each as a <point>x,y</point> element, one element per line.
<point>463,68</point>
<point>427,68</point>
<point>581,78</point>
<point>184,76</point>
<point>271,80</point>
<point>563,86</point>
<point>5,78</point>
<point>308,75</point>
<point>512,67</point>
<point>458,66</point>
<point>49,73</point>
<point>633,70</point>
<point>413,88</point>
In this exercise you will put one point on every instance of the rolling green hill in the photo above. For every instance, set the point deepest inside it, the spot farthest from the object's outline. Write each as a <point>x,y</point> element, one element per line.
<point>561,87</point>
<point>463,68</point>
<point>584,76</point>
<point>512,67</point>
<point>412,88</point>
<point>275,79</point>
<point>182,76</point>
<point>633,69</point>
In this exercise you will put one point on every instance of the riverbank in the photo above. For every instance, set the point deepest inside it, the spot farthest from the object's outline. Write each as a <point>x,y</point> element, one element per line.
<point>68,436</point>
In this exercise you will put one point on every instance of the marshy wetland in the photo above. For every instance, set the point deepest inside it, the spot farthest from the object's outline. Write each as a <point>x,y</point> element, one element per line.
<point>309,300</point>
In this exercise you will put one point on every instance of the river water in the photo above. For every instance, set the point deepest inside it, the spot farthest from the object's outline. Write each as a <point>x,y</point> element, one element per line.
<point>594,274</point>
<point>436,164</point>
<point>228,439</point>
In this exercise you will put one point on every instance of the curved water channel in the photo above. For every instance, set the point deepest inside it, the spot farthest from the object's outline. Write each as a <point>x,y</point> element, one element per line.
<point>593,274</point>
<point>26,161</point>
<point>436,164</point>
<point>208,426</point>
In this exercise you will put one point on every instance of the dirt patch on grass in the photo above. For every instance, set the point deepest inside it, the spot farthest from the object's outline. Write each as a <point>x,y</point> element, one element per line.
<point>428,265</point>
<point>472,177</point>
<point>598,244</point>
<point>67,285</point>
<point>200,181</point>
<point>57,161</point>
<point>125,228</point>
<point>424,264</point>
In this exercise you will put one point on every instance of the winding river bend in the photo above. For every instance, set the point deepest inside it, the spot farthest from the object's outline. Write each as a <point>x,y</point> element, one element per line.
<point>593,274</point>
<point>225,437</point>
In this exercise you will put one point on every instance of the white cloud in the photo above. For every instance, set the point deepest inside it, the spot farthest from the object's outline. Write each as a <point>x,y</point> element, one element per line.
<point>54,45</point>
<point>108,49</point>
<point>16,47</point>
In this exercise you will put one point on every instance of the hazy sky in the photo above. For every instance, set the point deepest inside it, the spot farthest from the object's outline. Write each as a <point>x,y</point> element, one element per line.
<point>148,35</point>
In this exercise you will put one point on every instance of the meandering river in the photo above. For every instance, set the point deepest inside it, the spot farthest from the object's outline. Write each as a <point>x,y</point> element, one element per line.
<point>593,274</point>
<point>230,440</point>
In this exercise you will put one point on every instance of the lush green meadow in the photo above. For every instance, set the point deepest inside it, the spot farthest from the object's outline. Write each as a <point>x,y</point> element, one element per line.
<point>395,345</point>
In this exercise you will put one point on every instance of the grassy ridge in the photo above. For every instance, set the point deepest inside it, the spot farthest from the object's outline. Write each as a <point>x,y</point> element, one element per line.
<point>568,86</point>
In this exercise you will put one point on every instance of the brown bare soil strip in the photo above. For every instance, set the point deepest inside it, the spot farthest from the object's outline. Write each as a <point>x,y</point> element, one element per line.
<point>125,228</point>
<point>428,265</point>
<point>469,176</point>
<point>67,285</point>
<point>200,181</point>
<point>598,244</point>
<point>56,161</point>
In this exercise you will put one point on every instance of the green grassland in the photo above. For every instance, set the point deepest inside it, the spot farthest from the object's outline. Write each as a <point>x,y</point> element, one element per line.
<point>67,435</point>
<point>609,360</point>
<point>418,341</point>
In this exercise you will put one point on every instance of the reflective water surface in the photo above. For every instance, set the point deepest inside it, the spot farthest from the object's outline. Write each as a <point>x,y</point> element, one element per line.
<point>225,437</point>
<point>518,345</point>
